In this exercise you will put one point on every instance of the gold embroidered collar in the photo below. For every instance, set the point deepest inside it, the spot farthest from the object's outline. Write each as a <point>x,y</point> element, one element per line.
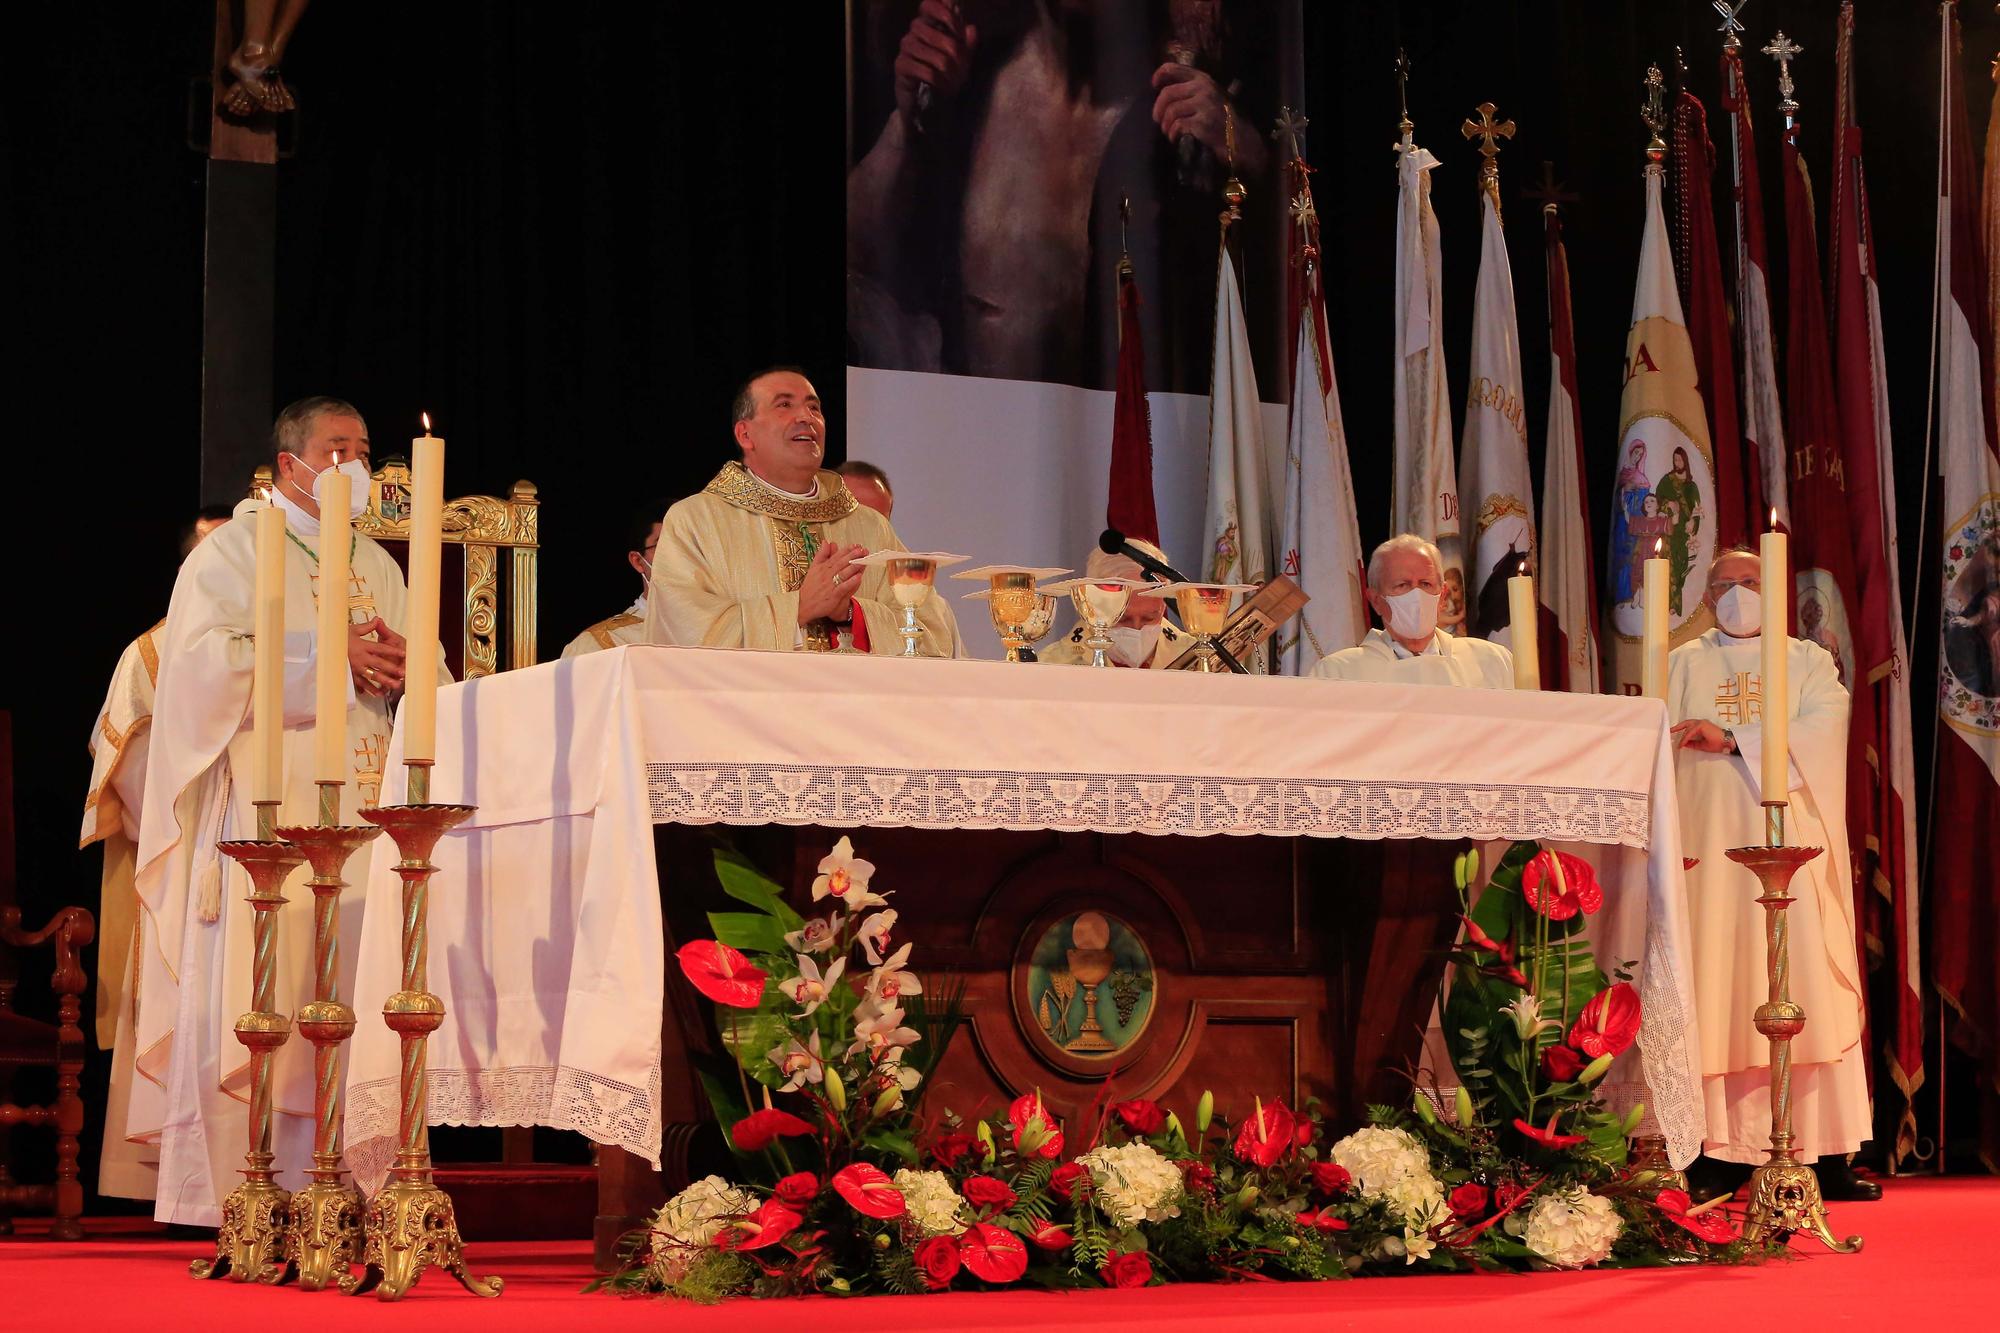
<point>734,485</point>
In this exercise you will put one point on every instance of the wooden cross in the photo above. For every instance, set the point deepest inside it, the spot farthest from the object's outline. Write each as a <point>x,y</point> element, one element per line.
<point>1731,25</point>
<point>1784,50</point>
<point>1486,129</point>
<point>1550,191</point>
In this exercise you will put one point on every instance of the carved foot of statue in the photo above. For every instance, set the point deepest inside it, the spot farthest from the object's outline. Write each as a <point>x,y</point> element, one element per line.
<point>258,85</point>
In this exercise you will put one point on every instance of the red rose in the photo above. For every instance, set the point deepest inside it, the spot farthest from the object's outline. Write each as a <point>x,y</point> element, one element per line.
<point>1559,885</point>
<point>986,1192</point>
<point>1141,1116</point>
<point>1266,1136</point>
<point>1561,1064</point>
<point>994,1254</point>
<point>1131,1269</point>
<point>771,1223</point>
<point>722,974</point>
<point>1064,1181</point>
<point>799,1189</point>
<point>950,1149</point>
<point>1548,1137</point>
<point>754,1132</point>
<point>1198,1177</point>
<point>1468,1201</point>
<point>870,1191</point>
<point>938,1260</point>
<point>1609,1023</point>
<point>1331,1178</point>
<point>1049,1236</point>
<point>1507,1195</point>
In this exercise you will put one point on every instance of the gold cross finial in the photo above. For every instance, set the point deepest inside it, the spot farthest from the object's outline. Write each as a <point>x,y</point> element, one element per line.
<point>1291,131</point>
<point>1731,25</point>
<point>1403,125</point>
<point>1487,130</point>
<point>1784,50</point>
<point>1654,113</point>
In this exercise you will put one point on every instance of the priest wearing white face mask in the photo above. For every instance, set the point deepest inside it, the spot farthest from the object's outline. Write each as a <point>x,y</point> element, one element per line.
<point>1141,637</point>
<point>1716,705</point>
<point>1405,587</point>
<point>629,625</point>
<point>194,953</point>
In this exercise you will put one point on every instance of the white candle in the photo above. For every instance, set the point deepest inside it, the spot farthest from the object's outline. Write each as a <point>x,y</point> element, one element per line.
<point>1653,672</point>
<point>267,692</point>
<point>1774,551</point>
<point>1522,630</point>
<point>421,625</point>
<point>330,759</point>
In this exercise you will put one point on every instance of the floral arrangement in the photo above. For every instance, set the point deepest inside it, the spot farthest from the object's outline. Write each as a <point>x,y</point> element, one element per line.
<point>847,1185</point>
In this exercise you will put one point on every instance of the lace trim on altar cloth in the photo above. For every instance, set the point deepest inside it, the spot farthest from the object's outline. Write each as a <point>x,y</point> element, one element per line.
<point>600,1109</point>
<point>1677,1105</point>
<point>729,793</point>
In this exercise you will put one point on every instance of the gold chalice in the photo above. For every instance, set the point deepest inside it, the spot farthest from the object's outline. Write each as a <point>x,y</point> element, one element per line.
<point>1099,603</point>
<point>1022,613</point>
<point>1090,963</point>
<point>1204,609</point>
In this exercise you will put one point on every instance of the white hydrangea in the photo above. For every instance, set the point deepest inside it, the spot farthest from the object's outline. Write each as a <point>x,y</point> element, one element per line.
<point>1572,1230</point>
<point>933,1203</point>
<point>1133,1183</point>
<point>686,1223</point>
<point>1393,1167</point>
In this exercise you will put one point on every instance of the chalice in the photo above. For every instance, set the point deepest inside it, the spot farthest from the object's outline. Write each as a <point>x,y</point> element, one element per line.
<point>1022,612</point>
<point>1099,603</point>
<point>1204,609</point>
<point>912,577</point>
<point>1090,963</point>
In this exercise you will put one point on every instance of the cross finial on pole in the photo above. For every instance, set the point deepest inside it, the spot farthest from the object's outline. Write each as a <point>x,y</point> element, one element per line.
<point>1291,131</point>
<point>1654,113</point>
<point>1784,50</point>
<point>1487,130</point>
<point>1550,192</point>
<point>1403,125</point>
<point>1731,24</point>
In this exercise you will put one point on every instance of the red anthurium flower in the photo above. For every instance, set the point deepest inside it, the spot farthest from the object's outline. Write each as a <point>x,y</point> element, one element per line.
<point>1710,1224</point>
<point>1036,1133</point>
<point>869,1191</point>
<point>1559,885</point>
<point>1609,1023</point>
<point>987,1193</point>
<point>938,1260</point>
<point>1049,1236</point>
<point>1141,1115</point>
<point>993,1254</point>
<point>722,974</point>
<point>1064,1180</point>
<point>771,1223</point>
<point>1561,1064</point>
<point>798,1189</point>
<point>1322,1220</point>
<point>1132,1269</point>
<point>754,1132</point>
<point>1331,1178</point>
<point>1548,1138</point>
<point>1266,1136</point>
<point>1468,1201</point>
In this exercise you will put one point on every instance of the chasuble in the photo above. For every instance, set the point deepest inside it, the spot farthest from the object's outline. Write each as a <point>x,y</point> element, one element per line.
<point>1467,663</point>
<point>731,560</point>
<point>193,965</point>
<point>1720,679</point>
<point>625,628</point>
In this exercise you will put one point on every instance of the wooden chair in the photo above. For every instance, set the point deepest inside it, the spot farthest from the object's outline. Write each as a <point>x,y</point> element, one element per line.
<point>28,1043</point>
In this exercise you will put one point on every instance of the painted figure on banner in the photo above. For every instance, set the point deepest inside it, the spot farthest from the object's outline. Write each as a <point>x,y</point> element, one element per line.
<point>995,142</point>
<point>1972,623</point>
<point>1634,490</point>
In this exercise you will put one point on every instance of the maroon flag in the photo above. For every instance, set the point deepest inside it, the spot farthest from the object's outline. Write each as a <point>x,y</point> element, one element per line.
<point>1889,852</point>
<point>1965,850</point>
<point>1762,424</point>
<point>1130,505</point>
<point>1738,492</point>
<point>1568,581</point>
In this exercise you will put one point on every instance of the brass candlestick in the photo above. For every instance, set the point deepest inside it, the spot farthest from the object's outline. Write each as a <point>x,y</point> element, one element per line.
<point>411,1225</point>
<point>250,1245</point>
<point>325,1236</point>
<point>1784,1192</point>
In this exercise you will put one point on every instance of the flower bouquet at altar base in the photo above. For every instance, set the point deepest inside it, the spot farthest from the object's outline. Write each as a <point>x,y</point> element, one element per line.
<point>847,1184</point>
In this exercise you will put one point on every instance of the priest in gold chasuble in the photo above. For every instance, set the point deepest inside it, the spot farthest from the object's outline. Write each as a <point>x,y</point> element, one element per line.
<point>763,556</point>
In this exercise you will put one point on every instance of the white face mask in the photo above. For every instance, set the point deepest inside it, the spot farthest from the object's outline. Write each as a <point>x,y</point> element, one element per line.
<point>357,490</point>
<point>1740,612</point>
<point>1133,646</point>
<point>1413,614</point>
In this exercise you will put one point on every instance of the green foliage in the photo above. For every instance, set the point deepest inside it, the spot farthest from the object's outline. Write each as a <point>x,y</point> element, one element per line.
<point>747,884</point>
<point>752,932</point>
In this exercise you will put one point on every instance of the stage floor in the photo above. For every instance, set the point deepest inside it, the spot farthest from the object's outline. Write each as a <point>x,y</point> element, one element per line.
<point>1925,1265</point>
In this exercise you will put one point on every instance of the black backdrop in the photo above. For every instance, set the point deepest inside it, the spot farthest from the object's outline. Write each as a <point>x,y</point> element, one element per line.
<point>566,230</point>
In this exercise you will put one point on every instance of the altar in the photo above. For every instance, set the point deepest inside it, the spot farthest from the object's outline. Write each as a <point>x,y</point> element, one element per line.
<point>1300,951</point>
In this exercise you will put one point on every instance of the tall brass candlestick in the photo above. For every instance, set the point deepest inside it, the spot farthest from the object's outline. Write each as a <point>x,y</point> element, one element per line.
<point>411,1225</point>
<point>250,1245</point>
<point>324,1238</point>
<point>1784,1192</point>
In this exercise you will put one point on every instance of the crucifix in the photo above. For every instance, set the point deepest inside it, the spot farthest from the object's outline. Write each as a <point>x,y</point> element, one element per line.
<point>1784,50</point>
<point>1487,130</point>
<point>1550,191</point>
<point>1731,25</point>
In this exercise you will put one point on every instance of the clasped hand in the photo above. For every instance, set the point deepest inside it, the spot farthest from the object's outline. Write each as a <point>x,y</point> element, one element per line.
<point>830,582</point>
<point>1698,734</point>
<point>376,662</point>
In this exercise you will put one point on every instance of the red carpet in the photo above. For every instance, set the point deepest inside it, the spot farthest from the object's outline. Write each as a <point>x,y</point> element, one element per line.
<point>1927,1264</point>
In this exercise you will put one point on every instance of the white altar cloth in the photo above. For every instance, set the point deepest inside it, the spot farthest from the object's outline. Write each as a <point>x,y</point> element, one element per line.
<point>545,924</point>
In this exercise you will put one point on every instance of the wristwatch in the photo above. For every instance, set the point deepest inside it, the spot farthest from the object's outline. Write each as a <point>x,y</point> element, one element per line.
<point>1729,738</point>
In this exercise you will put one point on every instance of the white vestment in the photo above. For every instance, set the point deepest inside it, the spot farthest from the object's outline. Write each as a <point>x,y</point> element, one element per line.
<point>192,1092</point>
<point>1720,679</point>
<point>727,571</point>
<point>118,744</point>
<point>627,627</point>
<point>1466,663</point>
<point>1071,650</point>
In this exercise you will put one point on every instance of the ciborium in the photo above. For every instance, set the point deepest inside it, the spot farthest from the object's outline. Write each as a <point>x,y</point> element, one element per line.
<point>1099,603</point>
<point>1022,613</point>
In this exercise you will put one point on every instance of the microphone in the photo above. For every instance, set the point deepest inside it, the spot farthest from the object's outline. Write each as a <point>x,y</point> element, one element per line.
<point>1112,542</point>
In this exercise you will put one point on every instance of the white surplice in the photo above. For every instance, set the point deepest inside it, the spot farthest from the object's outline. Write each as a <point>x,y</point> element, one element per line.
<point>1720,679</point>
<point>1447,660</point>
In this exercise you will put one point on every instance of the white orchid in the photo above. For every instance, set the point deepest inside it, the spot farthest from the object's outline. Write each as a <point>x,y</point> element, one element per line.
<point>844,877</point>
<point>873,937</point>
<point>1527,1015</point>
<point>1416,1245</point>
<point>809,988</point>
<point>879,1031</point>
<point>800,1064</point>
<point>891,981</point>
<point>817,935</point>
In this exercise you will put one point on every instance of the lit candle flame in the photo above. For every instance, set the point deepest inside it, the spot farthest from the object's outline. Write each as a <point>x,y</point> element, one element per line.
<point>1523,571</point>
<point>1774,518</point>
<point>427,421</point>
<point>1658,544</point>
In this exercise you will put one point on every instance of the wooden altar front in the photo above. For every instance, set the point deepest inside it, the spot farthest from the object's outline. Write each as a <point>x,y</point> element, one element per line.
<point>1286,967</point>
